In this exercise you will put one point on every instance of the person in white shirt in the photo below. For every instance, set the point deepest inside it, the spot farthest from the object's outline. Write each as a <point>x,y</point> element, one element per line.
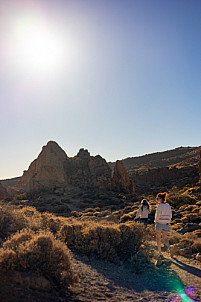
<point>163,217</point>
<point>143,212</point>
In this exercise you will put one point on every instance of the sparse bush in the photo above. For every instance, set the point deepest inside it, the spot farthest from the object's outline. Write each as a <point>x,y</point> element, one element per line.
<point>191,208</point>
<point>176,199</point>
<point>111,242</point>
<point>127,217</point>
<point>71,233</point>
<point>11,220</point>
<point>21,196</point>
<point>196,246</point>
<point>192,217</point>
<point>102,240</point>
<point>197,233</point>
<point>39,253</point>
<point>50,222</point>
<point>131,239</point>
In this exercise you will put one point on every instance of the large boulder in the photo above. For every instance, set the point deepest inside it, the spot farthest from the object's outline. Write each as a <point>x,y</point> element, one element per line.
<point>121,180</point>
<point>47,170</point>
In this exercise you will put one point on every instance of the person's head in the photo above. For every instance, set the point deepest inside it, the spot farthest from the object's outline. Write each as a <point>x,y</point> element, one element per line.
<point>161,197</point>
<point>144,203</point>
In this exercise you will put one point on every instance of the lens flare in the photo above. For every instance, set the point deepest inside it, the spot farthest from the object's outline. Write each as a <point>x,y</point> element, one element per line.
<point>185,296</point>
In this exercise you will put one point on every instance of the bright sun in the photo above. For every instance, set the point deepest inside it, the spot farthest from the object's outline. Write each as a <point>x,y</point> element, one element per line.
<point>36,47</point>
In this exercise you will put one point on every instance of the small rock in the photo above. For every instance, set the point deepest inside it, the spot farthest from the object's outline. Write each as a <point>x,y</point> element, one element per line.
<point>198,256</point>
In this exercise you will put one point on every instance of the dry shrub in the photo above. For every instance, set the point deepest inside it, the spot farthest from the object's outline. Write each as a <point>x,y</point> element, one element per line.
<point>127,209</point>
<point>196,246</point>
<point>39,253</point>
<point>101,240</point>
<point>89,210</point>
<point>11,220</point>
<point>196,210</point>
<point>87,214</point>
<point>131,239</point>
<point>33,217</point>
<point>191,208</point>
<point>104,213</point>
<point>193,217</point>
<point>71,233</point>
<point>176,199</point>
<point>185,219</point>
<point>127,217</point>
<point>197,233</point>
<point>113,242</point>
<point>50,222</point>
<point>175,237</point>
<point>176,226</point>
<point>183,208</point>
<point>118,214</point>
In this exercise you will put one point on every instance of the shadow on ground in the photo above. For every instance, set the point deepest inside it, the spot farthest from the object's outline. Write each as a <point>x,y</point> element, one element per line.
<point>150,278</point>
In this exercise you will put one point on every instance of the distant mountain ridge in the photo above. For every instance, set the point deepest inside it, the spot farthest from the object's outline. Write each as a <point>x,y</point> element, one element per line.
<point>10,181</point>
<point>182,156</point>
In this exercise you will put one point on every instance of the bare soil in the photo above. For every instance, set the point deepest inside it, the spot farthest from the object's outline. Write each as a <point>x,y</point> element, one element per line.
<point>104,281</point>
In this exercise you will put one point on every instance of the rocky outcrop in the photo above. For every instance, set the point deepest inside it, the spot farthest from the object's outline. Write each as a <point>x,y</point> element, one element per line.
<point>47,170</point>
<point>200,169</point>
<point>165,178</point>
<point>121,180</point>
<point>3,192</point>
<point>87,172</point>
<point>53,169</point>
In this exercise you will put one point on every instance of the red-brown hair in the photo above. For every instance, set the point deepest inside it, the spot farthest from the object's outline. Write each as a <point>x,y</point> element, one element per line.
<point>162,196</point>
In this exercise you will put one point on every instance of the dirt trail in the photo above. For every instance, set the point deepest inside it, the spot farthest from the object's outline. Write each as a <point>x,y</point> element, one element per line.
<point>104,281</point>
<point>189,271</point>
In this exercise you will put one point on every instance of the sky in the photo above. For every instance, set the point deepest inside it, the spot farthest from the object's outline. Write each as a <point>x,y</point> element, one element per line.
<point>120,78</point>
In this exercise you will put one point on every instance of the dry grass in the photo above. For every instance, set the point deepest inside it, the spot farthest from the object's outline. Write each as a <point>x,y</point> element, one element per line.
<point>39,253</point>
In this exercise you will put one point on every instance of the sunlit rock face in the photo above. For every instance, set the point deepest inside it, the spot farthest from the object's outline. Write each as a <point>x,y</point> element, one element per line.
<point>121,180</point>
<point>53,168</point>
<point>3,192</point>
<point>200,168</point>
<point>47,170</point>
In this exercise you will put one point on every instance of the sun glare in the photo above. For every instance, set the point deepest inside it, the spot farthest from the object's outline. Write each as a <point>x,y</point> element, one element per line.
<point>36,47</point>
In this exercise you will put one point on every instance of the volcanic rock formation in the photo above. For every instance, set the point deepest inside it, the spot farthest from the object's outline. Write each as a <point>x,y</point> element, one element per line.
<point>121,180</point>
<point>54,169</point>
<point>47,170</point>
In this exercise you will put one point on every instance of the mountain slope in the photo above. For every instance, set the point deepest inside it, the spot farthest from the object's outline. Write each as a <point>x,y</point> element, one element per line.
<point>182,156</point>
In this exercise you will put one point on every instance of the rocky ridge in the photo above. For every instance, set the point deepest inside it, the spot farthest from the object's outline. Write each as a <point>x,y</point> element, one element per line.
<point>163,170</point>
<point>53,168</point>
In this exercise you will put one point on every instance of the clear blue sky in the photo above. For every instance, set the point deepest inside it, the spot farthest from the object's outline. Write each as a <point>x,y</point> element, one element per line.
<point>120,78</point>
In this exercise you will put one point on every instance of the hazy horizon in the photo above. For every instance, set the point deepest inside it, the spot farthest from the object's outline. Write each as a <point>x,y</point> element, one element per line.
<point>119,78</point>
